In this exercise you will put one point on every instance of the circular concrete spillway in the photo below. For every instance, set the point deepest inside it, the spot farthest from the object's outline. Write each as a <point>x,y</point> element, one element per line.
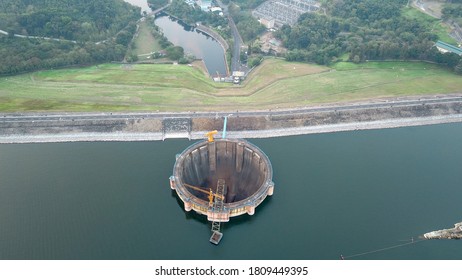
<point>244,168</point>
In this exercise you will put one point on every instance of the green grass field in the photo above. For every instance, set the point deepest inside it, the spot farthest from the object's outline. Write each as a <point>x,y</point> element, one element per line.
<point>275,84</point>
<point>108,87</point>
<point>366,81</point>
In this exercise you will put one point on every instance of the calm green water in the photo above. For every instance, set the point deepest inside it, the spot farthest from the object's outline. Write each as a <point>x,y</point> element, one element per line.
<point>340,193</point>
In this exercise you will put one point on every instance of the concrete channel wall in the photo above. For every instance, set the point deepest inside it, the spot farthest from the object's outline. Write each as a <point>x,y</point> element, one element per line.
<point>214,35</point>
<point>137,127</point>
<point>283,121</point>
<point>210,32</point>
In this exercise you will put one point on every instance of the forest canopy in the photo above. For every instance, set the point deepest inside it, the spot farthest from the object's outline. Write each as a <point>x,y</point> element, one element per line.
<point>364,30</point>
<point>156,4</point>
<point>101,31</point>
<point>81,20</point>
<point>453,11</point>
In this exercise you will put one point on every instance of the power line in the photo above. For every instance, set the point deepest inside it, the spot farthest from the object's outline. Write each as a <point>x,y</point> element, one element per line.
<point>382,249</point>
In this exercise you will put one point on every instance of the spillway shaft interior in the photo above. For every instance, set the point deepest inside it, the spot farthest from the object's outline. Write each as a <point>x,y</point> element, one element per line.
<point>243,168</point>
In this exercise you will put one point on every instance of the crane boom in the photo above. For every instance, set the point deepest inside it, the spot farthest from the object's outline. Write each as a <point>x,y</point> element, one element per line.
<point>211,194</point>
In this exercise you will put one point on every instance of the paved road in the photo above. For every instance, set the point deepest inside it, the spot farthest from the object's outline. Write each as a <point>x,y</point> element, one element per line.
<point>235,59</point>
<point>422,6</point>
<point>32,117</point>
<point>37,37</point>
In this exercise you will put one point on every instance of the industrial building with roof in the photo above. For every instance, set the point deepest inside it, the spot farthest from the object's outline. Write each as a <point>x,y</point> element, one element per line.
<point>445,47</point>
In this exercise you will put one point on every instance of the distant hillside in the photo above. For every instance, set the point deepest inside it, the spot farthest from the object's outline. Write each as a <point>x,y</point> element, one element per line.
<point>361,30</point>
<point>112,23</point>
<point>453,11</point>
<point>81,20</point>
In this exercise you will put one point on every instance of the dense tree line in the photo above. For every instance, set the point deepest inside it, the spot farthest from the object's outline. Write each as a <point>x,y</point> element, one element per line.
<point>23,55</point>
<point>161,39</point>
<point>193,14</point>
<point>175,52</point>
<point>364,29</point>
<point>245,4</point>
<point>103,29</point>
<point>81,20</point>
<point>156,4</point>
<point>248,26</point>
<point>453,11</point>
<point>366,10</point>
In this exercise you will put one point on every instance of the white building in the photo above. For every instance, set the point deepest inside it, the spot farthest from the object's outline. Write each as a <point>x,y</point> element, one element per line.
<point>268,23</point>
<point>205,4</point>
<point>216,10</point>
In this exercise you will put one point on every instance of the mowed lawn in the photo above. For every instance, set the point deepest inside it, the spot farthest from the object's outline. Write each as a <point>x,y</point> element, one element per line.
<point>352,82</point>
<point>274,84</point>
<point>108,87</point>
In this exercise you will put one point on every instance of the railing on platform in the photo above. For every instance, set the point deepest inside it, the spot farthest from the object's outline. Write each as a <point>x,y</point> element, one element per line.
<point>217,209</point>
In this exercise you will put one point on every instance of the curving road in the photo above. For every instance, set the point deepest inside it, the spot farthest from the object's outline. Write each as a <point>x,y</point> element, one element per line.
<point>235,57</point>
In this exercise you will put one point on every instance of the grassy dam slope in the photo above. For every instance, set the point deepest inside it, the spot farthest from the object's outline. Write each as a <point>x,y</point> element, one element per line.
<point>166,87</point>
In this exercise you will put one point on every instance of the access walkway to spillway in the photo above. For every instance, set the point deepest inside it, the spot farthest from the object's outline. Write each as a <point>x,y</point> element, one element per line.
<point>218,208</point>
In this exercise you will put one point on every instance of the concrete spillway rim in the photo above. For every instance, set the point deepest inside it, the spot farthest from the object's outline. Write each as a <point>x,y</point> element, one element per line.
<point>262,190</point>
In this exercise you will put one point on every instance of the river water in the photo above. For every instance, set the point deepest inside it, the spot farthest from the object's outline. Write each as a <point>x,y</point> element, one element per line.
<point>194,42</point>
<point>338,193</point>
<point>191,40</point>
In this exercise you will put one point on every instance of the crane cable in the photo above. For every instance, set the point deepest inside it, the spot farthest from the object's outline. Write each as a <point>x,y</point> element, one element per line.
<point>413,241</point>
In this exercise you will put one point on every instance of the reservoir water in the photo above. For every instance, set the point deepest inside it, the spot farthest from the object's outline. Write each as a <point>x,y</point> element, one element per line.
<point>339,193</point>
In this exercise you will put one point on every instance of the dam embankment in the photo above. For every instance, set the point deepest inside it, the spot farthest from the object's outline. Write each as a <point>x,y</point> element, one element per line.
<point>69,127</point>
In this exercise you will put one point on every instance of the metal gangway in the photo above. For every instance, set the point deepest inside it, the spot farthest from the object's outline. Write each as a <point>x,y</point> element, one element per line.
<point>217,209</point>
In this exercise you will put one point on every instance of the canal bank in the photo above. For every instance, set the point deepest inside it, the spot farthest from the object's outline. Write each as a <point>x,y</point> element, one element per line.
<point>30,128</point>
<point>210,32</point>
<point>199,27</point>
<point>200,41</point>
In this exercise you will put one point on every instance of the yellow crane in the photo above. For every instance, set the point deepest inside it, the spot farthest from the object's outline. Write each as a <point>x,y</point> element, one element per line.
<point>211,194</point>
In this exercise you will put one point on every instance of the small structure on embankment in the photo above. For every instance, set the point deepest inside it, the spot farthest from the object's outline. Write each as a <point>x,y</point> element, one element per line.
<point>453,233</point>
<point>222,178</point>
